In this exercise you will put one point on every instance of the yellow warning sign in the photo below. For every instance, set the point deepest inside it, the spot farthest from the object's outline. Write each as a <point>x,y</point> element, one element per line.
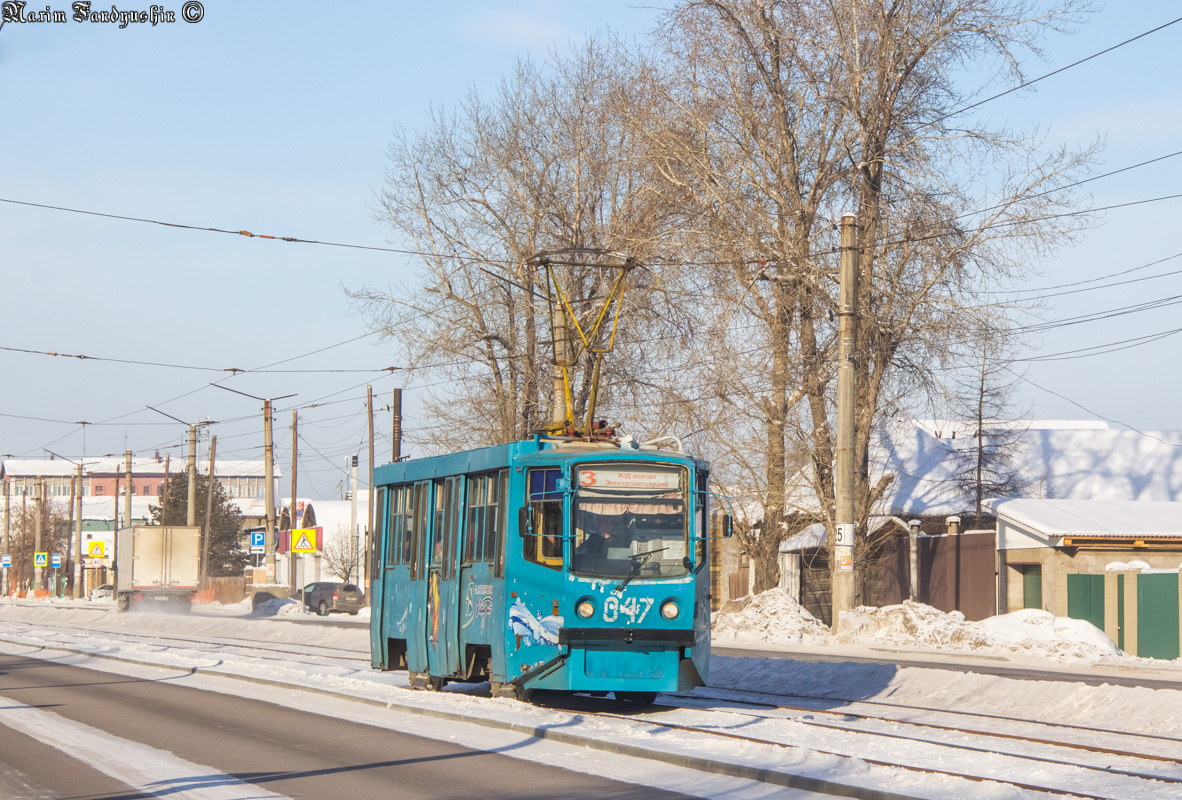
<point>41,559</point>
<point>303,540</point>
<point>97,549</point>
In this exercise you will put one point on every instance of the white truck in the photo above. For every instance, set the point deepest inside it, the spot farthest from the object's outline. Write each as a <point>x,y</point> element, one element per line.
<point>157,566</point>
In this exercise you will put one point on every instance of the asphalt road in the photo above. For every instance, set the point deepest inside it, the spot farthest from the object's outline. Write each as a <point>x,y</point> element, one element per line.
<point>124,738</point>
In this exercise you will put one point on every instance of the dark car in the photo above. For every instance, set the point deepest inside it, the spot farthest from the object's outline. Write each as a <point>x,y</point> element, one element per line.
<point>325,597</point>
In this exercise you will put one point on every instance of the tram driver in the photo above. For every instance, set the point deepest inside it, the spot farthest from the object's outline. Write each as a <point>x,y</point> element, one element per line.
<point>597,542</point>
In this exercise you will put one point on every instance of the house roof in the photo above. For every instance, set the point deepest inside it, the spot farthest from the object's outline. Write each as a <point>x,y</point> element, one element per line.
<point>59,467</point>
<point>1093,518</point>
<point>1086,463</point>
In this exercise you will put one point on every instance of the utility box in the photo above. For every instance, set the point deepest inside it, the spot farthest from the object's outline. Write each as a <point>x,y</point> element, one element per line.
<point>157,564</point>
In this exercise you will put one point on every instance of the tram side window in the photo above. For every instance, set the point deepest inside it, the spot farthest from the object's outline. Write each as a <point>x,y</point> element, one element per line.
<point>701,530</point>
<point>394,527</point>
<point>474,530</point>
<point>543,544</point>
<point>422,509</point>
<point>375,555</point>
<point>496,517</point>
<point>455,524</point>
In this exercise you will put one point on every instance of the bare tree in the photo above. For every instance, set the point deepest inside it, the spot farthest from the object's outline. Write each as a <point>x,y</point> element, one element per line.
<point>551,161</point>
<point>987,460</point>
<point>340,555</point>
<point>783,116</point>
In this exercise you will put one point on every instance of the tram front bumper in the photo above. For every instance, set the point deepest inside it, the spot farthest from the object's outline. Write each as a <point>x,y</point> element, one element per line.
<point>625,659</point>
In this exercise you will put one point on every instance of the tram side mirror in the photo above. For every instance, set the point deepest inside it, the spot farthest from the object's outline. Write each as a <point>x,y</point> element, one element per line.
<point>728,526</point>
<point>523,522</point>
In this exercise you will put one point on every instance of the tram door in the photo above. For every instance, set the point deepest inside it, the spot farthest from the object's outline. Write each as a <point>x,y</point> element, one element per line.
<point>443,595</point>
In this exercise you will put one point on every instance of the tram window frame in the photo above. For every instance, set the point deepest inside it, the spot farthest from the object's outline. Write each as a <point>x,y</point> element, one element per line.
<point>422,521</point>
<point>498,512</point>
<point>539,548</point>
<point>702,518</point>
<point>454,524</point>
<point>375,555</point>
<point>474,523</point>
<point>395,497</point>
<point>438,522</point>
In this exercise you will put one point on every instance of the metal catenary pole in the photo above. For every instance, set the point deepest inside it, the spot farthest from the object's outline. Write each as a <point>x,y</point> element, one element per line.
<point>292,579</point>
<point>191,515</point>
<point>210,488</point>
<point>370,524</point>
<point>269,490</point>
<point>75,488</point>
<point>38,500</point>
<point>396,437</point>
<point>842,567</point>
<point>78,571</point>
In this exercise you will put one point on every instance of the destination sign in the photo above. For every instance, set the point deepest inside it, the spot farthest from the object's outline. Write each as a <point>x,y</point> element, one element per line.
<point>605,478</point>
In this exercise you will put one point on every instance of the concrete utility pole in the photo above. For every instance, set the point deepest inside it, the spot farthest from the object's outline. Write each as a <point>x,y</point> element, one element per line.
<point>39,500</point>
<point>370,523</point>
<point>269,466</point>
<point>7,524</point>
<point>191,516</point>
<point>210,486</point>
<point>75,487</point>
<point>164,494</point>
<point>269,490</point>
<point>396,438</point>
<point>291,511</point>
<point>842,566</point>
<point>78,573</point>
<point>127,495</point>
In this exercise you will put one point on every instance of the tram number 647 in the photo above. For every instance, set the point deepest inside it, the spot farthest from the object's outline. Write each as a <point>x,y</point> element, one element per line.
<point>634,608</point>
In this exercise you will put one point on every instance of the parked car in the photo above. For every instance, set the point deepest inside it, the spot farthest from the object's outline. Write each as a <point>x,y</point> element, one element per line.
<point>324,597</point>
<point>104,592</point>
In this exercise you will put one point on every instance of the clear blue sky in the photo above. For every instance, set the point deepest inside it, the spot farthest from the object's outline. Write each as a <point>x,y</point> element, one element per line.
<point>274,118</point>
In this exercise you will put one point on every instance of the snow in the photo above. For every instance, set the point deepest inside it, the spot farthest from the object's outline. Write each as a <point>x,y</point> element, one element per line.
<point>1092,517</point>
<point>290,647</point>
<point>773,617</point>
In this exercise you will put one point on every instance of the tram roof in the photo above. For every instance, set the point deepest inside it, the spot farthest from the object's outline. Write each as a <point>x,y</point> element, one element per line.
<point>522,453</point>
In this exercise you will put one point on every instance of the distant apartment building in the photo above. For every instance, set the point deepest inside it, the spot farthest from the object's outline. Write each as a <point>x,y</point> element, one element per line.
<point>107,477</point>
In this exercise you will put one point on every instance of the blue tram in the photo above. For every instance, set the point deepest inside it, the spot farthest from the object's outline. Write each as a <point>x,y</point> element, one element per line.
<point>544,564</point>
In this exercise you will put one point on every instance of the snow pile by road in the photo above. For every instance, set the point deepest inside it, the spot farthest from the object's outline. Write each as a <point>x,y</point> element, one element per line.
<point>1026,632</point>
<point>773,617</point>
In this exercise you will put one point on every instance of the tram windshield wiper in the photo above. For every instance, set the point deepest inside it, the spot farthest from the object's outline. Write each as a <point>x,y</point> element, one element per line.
<point>638,559</point>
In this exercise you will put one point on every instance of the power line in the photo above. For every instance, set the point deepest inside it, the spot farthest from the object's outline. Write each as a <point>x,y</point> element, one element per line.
<point>1033,81</point>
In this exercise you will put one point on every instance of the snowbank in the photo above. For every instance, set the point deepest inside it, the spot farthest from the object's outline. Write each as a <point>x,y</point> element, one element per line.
<point>772,617</point>
<point>775,618</point>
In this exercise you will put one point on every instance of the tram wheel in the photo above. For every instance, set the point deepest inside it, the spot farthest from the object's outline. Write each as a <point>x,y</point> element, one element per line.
<point>644,698</point>
<point>435,684</point>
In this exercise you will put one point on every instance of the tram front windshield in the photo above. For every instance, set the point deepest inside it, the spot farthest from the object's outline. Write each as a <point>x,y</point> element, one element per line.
<point>630,521</point>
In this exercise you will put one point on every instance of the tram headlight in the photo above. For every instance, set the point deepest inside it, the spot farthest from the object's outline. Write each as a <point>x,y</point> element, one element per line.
<point>669,609</point>
<point>585,608</point>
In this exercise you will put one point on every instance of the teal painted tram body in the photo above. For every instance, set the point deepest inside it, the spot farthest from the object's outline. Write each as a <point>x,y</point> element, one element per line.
<point>544,564</point>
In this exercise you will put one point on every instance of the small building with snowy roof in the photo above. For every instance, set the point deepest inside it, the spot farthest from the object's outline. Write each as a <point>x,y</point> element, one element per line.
<point>1114,563</point>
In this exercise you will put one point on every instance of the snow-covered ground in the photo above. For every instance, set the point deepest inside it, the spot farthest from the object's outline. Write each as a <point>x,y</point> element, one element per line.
<point>226,641</point>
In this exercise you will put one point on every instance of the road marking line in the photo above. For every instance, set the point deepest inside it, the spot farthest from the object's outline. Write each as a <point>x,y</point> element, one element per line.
<point>148,770</point>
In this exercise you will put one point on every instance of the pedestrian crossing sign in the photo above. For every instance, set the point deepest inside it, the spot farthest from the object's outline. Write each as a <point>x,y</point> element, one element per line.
<point>40,559</point>
<point>303,540</point>
<point>97,549</point>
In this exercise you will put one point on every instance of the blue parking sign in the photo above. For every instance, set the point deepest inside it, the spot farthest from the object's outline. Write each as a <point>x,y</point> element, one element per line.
<point>56,560</point>
<point>258,541</point>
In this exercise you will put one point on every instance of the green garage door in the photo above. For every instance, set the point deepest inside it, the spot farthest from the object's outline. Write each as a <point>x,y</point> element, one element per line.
<point>1031,586</point>
<point>1085,598</point>
<point>1157,615</point>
